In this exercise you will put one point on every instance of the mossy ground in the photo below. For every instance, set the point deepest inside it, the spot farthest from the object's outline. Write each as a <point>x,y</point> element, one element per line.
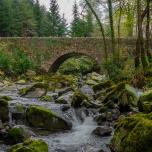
<point>30,146</point>
<point>133,134</point>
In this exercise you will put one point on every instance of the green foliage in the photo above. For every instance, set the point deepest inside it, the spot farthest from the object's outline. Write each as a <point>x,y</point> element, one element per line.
<point>5,62</point>
<point>122,70</point>
<point>81,27</point>
<point>21,62</point>
<point>17,63</point>
<point>80,65</point>
<point>28,18</point>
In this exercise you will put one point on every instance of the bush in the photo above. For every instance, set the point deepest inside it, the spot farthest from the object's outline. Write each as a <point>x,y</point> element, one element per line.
<point>122,70</point>
<point>21,62</point>
<point>81,65</point>
<point>5,62</point>
<point>17,62</point>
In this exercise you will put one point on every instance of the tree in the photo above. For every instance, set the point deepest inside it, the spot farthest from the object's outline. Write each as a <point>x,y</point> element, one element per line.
<point>5,18</point>
<point>100,25</point>
<point>63,29</point>
<point>75,25</point>
<point>55,19</point>
<point>111,26</point>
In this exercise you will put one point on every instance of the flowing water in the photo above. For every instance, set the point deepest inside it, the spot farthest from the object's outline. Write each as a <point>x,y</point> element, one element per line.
<point>79,139</point>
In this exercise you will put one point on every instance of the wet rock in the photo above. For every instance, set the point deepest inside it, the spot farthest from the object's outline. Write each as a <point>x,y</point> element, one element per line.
<point>79,100</point>
<point>7,98</point>
<point>4,110</point>
<point>102,85</point>
<point>54,95</point>
<point>21,82</point>
<point>103,131</point>
<point>145,102</point>
<point>65,98</point>
<point>36,91</point>
<point>47,98</point>
<point>63,91</point>
<point>30,73</point>
<point>40,117</point>
<point>18,134</point>
<point>133,134</point>
<point>122,94</point>
<point>101,118</point>
<point>87,90</point>
<point>30,146</point>
<point>65,107</point>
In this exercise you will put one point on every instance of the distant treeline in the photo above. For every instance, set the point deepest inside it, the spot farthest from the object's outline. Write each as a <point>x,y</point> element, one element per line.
<point>23,18</point>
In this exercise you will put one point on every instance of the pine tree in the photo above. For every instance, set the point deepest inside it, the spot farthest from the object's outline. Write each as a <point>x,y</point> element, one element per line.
<point>75,22</point>
<point>54,17</point>
<point>63,29</point>
<point>5,18</point>
<point>38,18</point>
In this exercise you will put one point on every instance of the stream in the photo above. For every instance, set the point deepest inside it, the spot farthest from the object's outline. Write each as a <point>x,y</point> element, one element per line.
<point>78,139</point>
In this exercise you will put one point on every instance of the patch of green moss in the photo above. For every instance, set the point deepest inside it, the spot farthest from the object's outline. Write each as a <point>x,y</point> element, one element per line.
<point>147,96</point>
<point>24,91</point>
<point>16,135</point>
<point>46,98</point>
<point>133,134</point>
<point>7,98</point>
<point>102,85</point>
<point>30,146</point>
<point>78,99</point>
<point>40,117</point>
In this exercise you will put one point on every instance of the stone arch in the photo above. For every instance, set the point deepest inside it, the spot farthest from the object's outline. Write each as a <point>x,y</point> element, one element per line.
<point>58,61</point>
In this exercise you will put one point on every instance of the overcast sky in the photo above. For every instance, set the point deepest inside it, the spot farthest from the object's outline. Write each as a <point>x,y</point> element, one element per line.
<point>65,7</point>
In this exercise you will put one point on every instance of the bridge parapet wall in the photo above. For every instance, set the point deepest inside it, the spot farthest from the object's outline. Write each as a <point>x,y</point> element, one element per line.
<point>47,50</point>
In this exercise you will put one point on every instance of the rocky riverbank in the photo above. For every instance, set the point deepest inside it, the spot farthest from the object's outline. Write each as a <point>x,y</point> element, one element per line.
<point>64,113</point>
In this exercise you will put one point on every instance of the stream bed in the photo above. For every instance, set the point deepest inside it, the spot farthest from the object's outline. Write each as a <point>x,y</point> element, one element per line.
<point>78,139</point>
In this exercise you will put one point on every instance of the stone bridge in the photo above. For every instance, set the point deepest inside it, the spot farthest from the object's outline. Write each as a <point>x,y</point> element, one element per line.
<point>49,53</point>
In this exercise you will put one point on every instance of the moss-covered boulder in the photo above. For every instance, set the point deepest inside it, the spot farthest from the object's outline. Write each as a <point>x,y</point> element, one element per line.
<point>79,99</point>
<point>122,94</point>
<point>102,85</point>
<point>4,110</point>
<point>133,134</point>
<point>40,117</point>
<point>30,146</point>
<point>145,102</point>
<point>18,134</point>
<point>46,98</point>
<point>36,91</point>
<point>6,98</point>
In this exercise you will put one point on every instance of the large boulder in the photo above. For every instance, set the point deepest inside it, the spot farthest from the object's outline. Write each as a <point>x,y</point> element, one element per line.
<point>122,94</point>
<point>19,134</point>
<point>40,117</point>
<point>79,99</point>
<point>145,102</point>
<point>102,131</point>
<point>65,98</point>
<point>36,91</point>
<point>87,90</point>
<point>30,146</point>
<point>133,134</point>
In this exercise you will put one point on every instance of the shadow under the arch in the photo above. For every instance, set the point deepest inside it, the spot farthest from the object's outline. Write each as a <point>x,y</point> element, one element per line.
<point>60,60</point>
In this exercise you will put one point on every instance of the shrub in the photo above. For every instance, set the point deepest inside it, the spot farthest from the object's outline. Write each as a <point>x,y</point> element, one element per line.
<point>21,62</point>
<point>5,62</point>
<point>80,65</point>
<point>16,62</point>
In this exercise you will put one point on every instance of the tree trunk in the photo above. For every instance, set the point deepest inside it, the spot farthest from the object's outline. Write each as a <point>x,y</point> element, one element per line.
<point>112,28</point>
<point>148,32</point>
<point>101,27</point>
<point>140,51</point>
